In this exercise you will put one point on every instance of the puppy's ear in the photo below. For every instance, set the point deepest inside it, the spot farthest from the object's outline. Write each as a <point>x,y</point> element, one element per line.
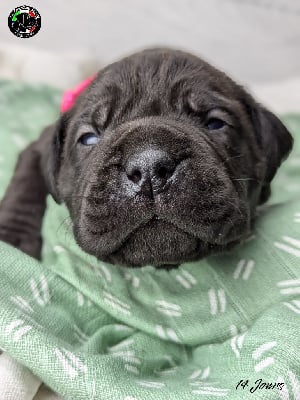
<point>273,138</point>
<point>50,146</point>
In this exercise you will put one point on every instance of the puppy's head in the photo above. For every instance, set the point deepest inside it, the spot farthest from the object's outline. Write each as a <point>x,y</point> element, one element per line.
<point>163,159</point>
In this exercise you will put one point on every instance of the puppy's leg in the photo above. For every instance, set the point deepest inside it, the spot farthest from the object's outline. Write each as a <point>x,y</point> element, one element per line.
<point>23,205</point>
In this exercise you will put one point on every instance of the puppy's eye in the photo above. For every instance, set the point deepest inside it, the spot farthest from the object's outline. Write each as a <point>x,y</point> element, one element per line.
<point>89,139</point>
<point>214,124</point>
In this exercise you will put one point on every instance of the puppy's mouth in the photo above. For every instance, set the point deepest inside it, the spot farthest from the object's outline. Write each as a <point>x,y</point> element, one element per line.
<point>155,241</point>
<point>160,243</point>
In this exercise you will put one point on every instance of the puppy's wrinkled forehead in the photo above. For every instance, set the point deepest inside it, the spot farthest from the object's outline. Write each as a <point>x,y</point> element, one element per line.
<point>155,83</point>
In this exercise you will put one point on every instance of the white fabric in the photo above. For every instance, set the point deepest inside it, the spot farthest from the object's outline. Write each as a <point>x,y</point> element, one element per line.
<point>18,383</point>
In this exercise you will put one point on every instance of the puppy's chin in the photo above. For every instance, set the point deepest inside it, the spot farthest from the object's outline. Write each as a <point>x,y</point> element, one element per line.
<point>154,243</point>
<point>157,243</point>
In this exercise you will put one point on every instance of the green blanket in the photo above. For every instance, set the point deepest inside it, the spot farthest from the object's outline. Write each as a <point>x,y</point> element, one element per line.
<point>215,328</point>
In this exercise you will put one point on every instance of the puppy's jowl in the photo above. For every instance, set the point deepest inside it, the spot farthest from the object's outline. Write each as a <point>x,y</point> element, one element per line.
<point>162,159</point>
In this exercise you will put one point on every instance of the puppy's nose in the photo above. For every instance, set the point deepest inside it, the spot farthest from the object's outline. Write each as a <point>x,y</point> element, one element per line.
<point>150,170</point>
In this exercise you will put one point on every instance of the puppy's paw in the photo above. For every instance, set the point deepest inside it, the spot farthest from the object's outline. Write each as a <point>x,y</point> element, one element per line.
<point>23,241</point>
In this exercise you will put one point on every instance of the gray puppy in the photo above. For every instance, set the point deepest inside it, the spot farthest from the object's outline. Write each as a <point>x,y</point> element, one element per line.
<point>163,159</point>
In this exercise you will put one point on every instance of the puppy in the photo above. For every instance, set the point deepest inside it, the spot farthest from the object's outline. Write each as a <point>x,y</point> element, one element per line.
<point>163,159</point>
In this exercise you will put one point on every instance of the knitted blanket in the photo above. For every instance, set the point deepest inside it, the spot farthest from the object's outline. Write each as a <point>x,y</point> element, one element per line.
<point>224,327</point>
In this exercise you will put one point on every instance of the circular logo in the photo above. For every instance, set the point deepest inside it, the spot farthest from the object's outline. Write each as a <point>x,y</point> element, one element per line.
<point>24,21</point>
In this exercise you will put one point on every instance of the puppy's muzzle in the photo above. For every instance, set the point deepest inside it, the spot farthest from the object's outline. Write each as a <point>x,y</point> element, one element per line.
<point>149,170</point>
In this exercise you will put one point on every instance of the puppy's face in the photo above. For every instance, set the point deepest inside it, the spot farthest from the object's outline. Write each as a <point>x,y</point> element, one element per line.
<point>162,160</point>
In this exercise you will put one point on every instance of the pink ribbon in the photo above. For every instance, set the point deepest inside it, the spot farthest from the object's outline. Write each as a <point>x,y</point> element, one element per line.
<point>69,96</point>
